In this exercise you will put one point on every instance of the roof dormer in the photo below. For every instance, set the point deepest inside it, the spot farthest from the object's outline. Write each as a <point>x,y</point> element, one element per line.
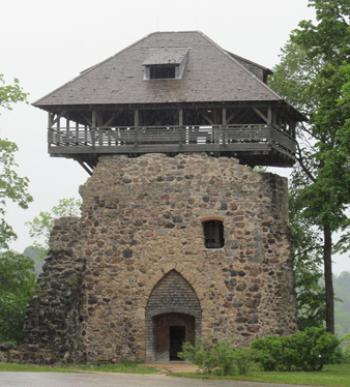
<point>165,63</point>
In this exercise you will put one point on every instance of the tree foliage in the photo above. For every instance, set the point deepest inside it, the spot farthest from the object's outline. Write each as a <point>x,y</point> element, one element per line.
<point>17,283</point>
<point>13,188</point>
<point>314,76</point>
<point>307,253</point>
<point>40,227</point>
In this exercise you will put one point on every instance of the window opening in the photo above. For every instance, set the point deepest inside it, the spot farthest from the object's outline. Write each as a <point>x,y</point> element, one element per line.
<point>213,234</point>
<point>162,72</point>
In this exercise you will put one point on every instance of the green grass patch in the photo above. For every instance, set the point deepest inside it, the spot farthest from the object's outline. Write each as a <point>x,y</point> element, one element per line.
<point>129,368</point>
<point>337,375</point>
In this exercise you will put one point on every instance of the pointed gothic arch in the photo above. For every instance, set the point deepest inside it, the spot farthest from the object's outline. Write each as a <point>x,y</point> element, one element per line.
<point>173,306</point>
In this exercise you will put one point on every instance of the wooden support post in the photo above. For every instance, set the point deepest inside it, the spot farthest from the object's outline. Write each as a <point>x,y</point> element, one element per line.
<point>58,125</point>
<point>136,117</point>
<point>50,120</point>
<point>49,129</point>
<point>85,135</point>
<point>136,125</point>
<point>181,117</point>
<point>76,133</point>
<point>93,127</point>
<point>269,115</point>
<point>292,126</point>
<point>67,131</point>
<point>181,128</point>
<point>224,121</point>
<point>223,126</point>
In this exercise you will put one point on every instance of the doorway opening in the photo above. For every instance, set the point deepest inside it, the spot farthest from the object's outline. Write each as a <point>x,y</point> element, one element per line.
<point>177,335</point>
<point>170,331</point>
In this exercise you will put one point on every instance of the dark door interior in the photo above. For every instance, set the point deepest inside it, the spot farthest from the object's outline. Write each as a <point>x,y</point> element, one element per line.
<point>176,340</point>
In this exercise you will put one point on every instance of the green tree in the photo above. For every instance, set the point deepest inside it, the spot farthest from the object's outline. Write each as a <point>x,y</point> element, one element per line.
<point>17,283</point>
<point>314,76</point>
<point>41,226</point>
<point>307,253</point>
<point>13,188</point>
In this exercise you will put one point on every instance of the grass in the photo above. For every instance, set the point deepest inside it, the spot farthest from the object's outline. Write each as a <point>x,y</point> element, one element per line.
<point>129,368</point>
<point>332,375</point>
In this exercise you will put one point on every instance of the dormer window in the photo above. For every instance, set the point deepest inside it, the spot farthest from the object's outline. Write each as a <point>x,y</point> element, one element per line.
<point>162,71</point>
<point>165,63</point>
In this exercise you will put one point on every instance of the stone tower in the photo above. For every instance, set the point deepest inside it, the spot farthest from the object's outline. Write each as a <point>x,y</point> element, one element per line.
<point>179,237</point>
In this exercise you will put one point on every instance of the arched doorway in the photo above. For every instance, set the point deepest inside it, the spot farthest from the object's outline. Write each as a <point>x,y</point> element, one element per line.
<point>173,316</point>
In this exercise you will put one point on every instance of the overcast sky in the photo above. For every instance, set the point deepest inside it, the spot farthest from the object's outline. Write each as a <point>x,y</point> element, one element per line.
<point>46,43</point>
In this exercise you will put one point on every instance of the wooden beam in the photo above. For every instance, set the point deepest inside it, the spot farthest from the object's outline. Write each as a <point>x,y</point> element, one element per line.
<point>110,120</point>
<point>86,168</point>
<point>261,114</point>
<point>210,121</point>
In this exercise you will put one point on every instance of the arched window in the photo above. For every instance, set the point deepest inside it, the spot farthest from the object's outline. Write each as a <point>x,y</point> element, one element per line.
<point>213,234</point>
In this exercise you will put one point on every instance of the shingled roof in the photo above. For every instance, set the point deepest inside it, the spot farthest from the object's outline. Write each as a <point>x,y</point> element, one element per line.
<point>211,75</point>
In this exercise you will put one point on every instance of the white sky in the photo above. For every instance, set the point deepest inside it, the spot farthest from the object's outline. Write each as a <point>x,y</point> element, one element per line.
<point>45,43</point>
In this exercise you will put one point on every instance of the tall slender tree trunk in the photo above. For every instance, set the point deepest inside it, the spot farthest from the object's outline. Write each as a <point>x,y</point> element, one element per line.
<point>328,277</point>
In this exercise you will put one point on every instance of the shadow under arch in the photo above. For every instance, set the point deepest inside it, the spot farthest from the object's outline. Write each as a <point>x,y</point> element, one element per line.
<point>172,304</point>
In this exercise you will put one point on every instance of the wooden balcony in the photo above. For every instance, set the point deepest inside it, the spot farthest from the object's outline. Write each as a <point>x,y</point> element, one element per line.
<point>255,144</point>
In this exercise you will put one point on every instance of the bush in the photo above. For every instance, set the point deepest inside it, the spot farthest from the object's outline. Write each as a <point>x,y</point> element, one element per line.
<point>345,348</point>
<point>220,358</point>
<point>17,283</point>
<point>308,350</point>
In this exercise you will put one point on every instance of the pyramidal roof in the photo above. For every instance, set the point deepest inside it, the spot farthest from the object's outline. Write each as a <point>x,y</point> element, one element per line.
<point>211,74</point>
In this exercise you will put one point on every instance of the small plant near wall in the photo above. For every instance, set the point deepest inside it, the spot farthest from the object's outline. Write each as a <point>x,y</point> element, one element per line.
<point>220,358</point>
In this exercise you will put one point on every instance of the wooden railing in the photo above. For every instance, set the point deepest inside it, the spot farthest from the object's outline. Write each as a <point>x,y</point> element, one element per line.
<point>119,137</point>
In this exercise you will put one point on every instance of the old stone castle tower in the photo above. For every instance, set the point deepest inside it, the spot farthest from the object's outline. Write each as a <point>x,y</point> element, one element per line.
<point>179,237</point>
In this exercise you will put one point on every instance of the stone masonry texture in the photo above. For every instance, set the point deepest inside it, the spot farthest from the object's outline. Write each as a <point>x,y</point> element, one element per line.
<point>138,253</point>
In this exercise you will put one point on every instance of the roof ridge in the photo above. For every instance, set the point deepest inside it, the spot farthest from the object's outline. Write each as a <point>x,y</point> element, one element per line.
<point>249,61</point>
<point>223,51</point>
<point>86,71</point>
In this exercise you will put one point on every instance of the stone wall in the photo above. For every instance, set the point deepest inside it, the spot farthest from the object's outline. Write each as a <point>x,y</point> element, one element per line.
<point>141,219</point>
<point>53,315</point>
